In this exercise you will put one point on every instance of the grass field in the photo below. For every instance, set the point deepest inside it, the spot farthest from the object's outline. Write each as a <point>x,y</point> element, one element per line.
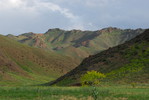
<point>108,92</point>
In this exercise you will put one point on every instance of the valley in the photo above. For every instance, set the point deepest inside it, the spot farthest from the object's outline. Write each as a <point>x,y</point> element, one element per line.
<point>49,66</point>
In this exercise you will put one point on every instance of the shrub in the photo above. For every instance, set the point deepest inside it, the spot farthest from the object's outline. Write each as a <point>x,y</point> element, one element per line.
<point>92,78</point>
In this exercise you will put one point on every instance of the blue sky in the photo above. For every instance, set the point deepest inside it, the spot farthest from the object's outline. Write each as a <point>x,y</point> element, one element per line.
<point>20,16</point>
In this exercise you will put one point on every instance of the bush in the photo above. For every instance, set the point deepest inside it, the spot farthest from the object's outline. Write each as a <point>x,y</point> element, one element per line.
<point>92,78</point>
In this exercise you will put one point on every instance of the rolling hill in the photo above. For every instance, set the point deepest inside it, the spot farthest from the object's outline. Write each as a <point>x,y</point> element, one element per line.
<point>22,64</point>
<point>126,63</point>
<point>76,43</point>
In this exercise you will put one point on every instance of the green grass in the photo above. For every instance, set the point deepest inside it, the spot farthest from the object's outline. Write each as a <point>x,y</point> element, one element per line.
<point>108,92</point>
<point>23,81</point>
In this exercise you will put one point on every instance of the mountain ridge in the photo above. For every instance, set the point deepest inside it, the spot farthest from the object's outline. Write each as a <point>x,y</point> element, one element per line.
<point>77,43</point>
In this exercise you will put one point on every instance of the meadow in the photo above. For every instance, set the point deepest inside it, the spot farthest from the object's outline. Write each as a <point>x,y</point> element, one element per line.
<point>105,92</point>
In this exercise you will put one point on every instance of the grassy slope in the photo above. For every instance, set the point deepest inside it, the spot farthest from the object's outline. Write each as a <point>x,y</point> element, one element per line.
<point>21,64</point>
<point>125,63</point>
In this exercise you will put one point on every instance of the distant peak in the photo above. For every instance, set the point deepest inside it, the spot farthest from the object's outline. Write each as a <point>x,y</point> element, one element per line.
<point>28,34</point>
<point>76,30</point>
<point>55,29</point>
<point>109,29</point>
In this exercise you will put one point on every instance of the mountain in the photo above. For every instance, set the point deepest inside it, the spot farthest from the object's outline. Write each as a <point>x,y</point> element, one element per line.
<point>126,63</point>
<point>76,43</point>
<point>22,64</point>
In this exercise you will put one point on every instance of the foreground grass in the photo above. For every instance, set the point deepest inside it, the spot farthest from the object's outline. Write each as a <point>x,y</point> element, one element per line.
<point>125,92</point>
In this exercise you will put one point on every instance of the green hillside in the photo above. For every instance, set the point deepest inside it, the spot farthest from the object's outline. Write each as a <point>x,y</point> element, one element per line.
<point>21,64</point>
<point>76,43</point>
<point>126,63</point>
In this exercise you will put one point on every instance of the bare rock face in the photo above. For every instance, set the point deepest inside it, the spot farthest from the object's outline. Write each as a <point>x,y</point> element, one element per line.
<point>108,30</point>
<point>39,42</point>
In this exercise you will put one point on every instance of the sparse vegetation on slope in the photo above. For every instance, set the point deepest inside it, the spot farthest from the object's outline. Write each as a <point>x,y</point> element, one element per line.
<point>23,64</point>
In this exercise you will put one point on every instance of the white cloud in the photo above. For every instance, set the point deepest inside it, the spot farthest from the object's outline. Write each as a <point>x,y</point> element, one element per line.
<point>17,6</point>
<point>74,19</point>
<point>8,4</point>
<point>36,8</point>
<point>54,7</point>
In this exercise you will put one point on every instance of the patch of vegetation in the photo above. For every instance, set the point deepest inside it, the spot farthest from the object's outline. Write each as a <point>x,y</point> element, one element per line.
<point>140,50</point>
<point>138,57</point>
<point>65,82</point>
<point>92,78</point>
<point>132,68</point>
